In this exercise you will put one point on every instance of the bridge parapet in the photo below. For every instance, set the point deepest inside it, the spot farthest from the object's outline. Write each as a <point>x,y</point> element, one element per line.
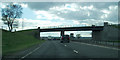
<point>66,26</point>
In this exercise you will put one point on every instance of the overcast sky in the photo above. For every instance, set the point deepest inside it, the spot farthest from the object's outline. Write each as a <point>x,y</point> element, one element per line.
<point>61,14</point>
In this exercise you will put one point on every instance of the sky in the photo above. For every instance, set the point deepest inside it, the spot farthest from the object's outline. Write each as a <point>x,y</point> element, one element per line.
<point>45,14</point>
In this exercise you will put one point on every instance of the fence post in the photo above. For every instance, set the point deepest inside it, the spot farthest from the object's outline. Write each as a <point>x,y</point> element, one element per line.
<point>106,43</point>
<point>100,42</point>
<point>113,43</point>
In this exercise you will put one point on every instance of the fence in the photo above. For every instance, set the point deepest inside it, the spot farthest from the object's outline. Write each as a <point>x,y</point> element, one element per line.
<point>104,43</point>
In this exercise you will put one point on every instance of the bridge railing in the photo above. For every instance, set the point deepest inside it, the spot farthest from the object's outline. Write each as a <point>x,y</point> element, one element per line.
<point>63,26</point>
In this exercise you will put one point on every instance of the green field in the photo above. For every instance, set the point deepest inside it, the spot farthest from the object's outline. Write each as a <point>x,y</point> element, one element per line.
<point>16,41</point>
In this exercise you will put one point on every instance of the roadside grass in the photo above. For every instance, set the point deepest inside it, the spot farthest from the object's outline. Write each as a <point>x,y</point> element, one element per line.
<point>116,26</point>
<point>16,41</point>
<point>117,41</point>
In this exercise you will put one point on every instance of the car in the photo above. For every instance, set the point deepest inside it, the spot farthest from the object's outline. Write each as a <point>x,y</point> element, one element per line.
<point>49,38</point>
<point>56,38</point>
<point>65,39</point>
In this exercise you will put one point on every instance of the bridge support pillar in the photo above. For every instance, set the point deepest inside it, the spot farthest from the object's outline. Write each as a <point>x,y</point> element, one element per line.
<point>39,32</point>
<point>62,33</point>
<point>96,35</point>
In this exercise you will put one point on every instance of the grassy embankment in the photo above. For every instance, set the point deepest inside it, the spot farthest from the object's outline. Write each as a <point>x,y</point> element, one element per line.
<point>118,41</point>
<point>16,41</point>
<point>116,26</point>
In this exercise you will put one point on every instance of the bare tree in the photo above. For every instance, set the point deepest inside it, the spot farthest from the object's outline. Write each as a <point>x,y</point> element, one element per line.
<point>78,35</point>
<point>10,13</point>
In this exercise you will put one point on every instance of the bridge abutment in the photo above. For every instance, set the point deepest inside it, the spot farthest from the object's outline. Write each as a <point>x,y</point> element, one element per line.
<point>109,33</point>
<point>100,35</point>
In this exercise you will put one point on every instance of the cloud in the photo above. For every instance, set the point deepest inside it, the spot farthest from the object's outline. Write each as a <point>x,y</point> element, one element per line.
<point>24,5</point>
<point>119,12</point>
<point>76,22</point>
<point>3,6</point>
<point>1,23</point>
<point>87,12</point>
<point>110,14</point>
<point>46,15</point>
<point>38,23</point>
<point>42,5</point>
<point>77,11</point>
<point>47,5</point>
<point>67,7</point>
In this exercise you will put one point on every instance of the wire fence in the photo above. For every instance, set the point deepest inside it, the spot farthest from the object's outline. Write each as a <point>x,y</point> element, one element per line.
<point>100,42</point>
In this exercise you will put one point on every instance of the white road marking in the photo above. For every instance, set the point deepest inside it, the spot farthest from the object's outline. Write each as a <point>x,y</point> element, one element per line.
<point>30,53</point>
<point>65,45</point>
<point>75,51</point>
<point>100,46</point>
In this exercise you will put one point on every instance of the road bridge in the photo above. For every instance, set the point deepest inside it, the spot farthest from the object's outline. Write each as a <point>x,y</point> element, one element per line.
<point>92,28</point>
<point>98,32</point>
<point>87,28</point>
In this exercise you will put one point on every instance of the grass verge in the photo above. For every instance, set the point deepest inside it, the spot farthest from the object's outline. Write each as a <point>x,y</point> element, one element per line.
<point>16,41</point>
<point>116,41</point>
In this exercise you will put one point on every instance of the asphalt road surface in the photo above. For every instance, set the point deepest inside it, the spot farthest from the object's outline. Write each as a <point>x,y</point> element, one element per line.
<point>55,49</point>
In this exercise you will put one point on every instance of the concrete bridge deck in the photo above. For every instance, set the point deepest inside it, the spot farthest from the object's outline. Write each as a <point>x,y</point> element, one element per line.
<point>87,28</point>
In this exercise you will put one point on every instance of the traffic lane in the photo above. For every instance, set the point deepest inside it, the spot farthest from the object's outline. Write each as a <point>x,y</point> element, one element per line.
<point>42,51</point>
<point>93,51</point>
<point>53,49</point>
<point>66,52</point>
